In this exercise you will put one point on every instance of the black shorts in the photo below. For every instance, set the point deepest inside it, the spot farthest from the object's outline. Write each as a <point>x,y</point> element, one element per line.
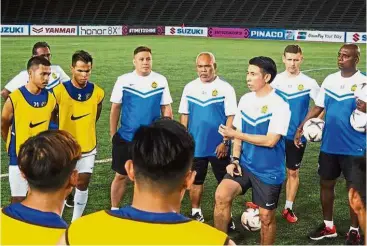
<point>293,155</point>
<point>331,165</point>
<point>263,195</point>
<point>201,167</point>
<point>120,154</point>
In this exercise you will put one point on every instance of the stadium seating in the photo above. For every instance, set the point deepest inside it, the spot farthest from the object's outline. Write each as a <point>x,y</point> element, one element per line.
<point>348,15</point>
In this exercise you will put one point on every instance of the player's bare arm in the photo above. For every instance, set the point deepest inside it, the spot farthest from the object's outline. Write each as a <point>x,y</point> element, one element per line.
<point>230,242</point>
<point>321,115</point>
<point>114,118</point>
<point>167,111</point>
<point>184,119</point>
<point>268,140</point>
<point>313,113</point>
<point>99,110</point>
<point>62,240</point>
<point>361,105</point>
<point>5,93</point>
<point>222,149</point>
<point>234,167</point>
<point>6,118</point>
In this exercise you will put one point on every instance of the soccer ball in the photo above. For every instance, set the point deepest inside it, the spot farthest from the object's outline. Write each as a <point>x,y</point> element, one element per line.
<point>358,121</point>
<point>250,219</point>
<point>312,129</point>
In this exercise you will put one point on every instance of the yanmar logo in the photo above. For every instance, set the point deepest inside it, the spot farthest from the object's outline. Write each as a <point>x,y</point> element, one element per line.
<point>37,30</point>
<point>60,30</point>
<point>53,30</point>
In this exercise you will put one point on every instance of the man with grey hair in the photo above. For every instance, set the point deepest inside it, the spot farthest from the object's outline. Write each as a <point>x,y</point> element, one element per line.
<point>207,102</point>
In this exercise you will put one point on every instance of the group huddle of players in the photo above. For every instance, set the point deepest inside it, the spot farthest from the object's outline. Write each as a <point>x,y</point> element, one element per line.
<point>164,157</point>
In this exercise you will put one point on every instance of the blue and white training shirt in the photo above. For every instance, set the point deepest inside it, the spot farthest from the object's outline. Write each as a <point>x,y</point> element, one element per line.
<point>260,116</point>
<point>298,91</point>
<point>141,98</point>
<point>337,96</point>
<point>208,105</point>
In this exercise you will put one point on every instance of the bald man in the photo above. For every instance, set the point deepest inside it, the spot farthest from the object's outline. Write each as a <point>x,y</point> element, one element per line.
<point>341,144</point>
<point>207,102</point>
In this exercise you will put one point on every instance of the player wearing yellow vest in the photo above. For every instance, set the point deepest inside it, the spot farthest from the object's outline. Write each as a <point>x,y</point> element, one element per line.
<point>26,112</point>
<point>162,156</point>
<point>80,105</point>
<point>47,161</point>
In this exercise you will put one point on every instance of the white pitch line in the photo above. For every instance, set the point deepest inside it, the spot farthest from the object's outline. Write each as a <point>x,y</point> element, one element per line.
<point>318,69</point>
<point>103,160</point>
<point>97,162</point>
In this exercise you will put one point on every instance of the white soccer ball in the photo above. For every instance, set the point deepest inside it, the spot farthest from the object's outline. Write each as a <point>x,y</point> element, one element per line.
<point>358,120</point>
<point>312,129</point>
<point>250,219</point>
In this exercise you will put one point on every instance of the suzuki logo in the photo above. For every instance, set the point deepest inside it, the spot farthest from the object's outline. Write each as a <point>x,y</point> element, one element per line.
<point>37,30</point>
<point>355,37</point>
<point>173,30</point>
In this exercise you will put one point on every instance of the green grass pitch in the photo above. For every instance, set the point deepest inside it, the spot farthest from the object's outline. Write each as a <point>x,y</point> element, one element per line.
<point>174,57</point>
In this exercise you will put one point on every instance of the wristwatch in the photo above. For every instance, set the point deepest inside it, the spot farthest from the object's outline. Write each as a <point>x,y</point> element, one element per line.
<point>235,160</point>
<point>226,142</point>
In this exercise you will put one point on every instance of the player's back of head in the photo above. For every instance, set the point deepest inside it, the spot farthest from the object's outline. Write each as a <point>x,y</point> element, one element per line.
<point>266,65</point>
<point>162,154</point>
<point>48,159</point>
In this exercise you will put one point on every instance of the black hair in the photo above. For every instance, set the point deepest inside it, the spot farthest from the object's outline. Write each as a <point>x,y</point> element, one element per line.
<point>266,65</point>
<point>48,159</point>
<point>162,154</point>
<point>36,61</point>
<point>83,56</point>
<point>142,49</point>
<point>39,45</point>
